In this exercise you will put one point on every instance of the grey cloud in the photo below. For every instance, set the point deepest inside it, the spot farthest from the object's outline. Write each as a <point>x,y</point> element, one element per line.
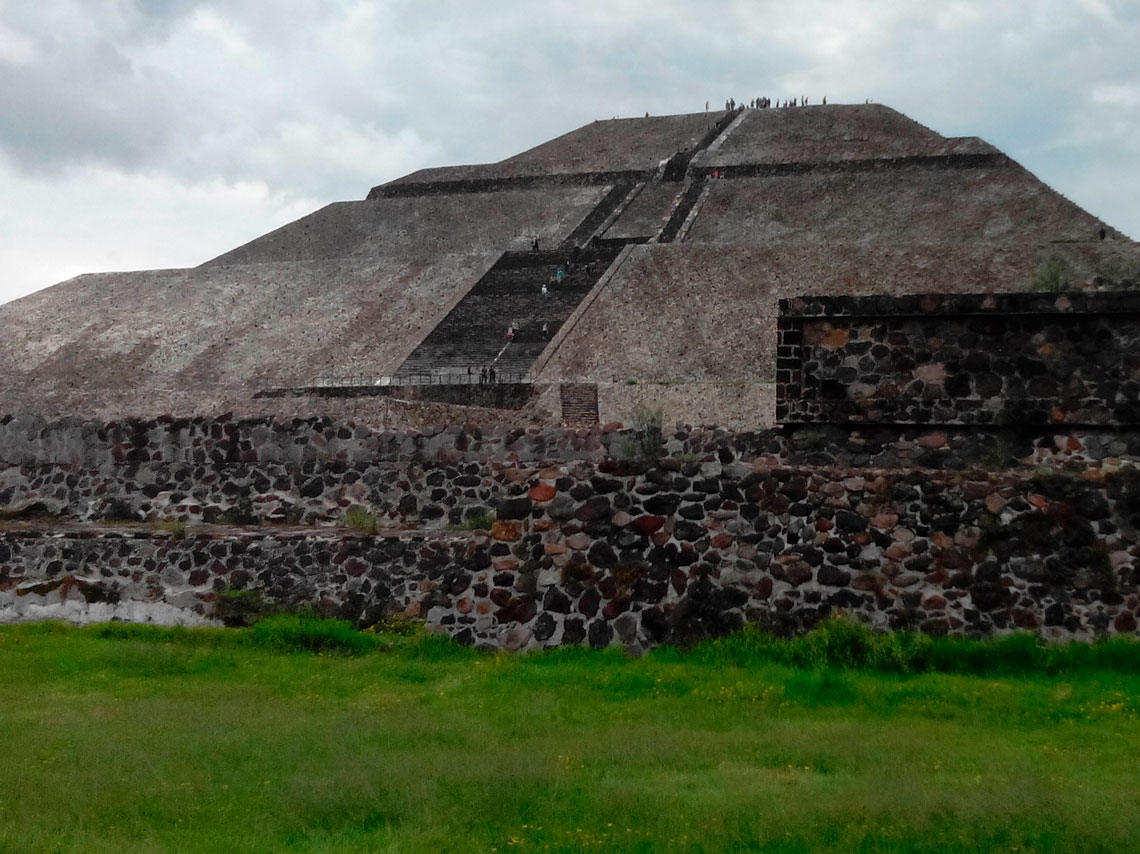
<point>96,109</point>
<point>165,9</point>
<point>326,97</point>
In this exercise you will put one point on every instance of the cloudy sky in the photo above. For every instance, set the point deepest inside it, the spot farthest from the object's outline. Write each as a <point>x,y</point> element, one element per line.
<point>159,133</point>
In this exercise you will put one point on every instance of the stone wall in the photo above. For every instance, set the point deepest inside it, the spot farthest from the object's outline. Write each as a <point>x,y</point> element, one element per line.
<point>936,161</point>
<point>135,573</point>
<point>596,539</point>
<point>590,553</point>
<point>734,405</point>
<point>311,471</point>
<point>226,441</point>
<point>987,359</point>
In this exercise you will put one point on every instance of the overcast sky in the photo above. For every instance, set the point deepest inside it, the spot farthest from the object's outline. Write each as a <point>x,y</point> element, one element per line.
<point>159,133</point>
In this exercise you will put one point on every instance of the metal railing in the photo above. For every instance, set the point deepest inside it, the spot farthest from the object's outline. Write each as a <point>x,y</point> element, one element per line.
<point>425,378</point>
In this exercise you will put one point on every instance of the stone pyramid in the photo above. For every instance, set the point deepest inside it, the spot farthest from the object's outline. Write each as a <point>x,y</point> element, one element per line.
<point>676,236</point>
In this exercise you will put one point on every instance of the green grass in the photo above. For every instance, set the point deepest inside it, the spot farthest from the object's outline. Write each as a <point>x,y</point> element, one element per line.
<point>307,633</point>
<point>478,522</point>
<point>361,519</point>
<point>175,527</point>
<point>140,739</point>
<point>845,644</point>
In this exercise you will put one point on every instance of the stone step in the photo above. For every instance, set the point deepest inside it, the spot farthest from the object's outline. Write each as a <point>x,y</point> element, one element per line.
<point>473,333</point>
<point>579,403</point>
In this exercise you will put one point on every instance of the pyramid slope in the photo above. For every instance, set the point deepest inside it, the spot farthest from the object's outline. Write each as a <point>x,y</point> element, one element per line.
<point>620,144</point>
<point>836,133</point>
<point>612,145</point>
<point>647,213</point>
<point>904,204</point>
<point>198,336</point>
<point>424,226</point>
<point>691,311</point>
<point>829,200</point>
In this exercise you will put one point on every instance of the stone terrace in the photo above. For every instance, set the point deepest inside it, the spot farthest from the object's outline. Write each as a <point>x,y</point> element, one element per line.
<point>473,333</point>
<point>425,227</point>
<point>640,326</point>
<point>771,528</point>
<point>643,318</point>
<point>199,338</point>
<point>621,143</point>
<point>817,134</point>
<point>615,145</point>
<point>903,204</point>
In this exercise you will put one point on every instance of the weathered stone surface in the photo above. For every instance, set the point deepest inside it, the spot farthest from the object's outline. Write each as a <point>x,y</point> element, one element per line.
<point>579,541</point>
<point>600,633</point>
<point>556,601</point>
<point>509,531</point>
<point>647,525</point>
<point>542,492</point>
<point>573,631</point>
<point>520,609</point>
<point>831,576</point>
<point>515,508</point>
<point>800,539</point>
<point>1011,359</point>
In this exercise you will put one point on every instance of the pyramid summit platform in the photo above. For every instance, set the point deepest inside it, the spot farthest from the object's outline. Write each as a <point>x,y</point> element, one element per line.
<point>676,236</point>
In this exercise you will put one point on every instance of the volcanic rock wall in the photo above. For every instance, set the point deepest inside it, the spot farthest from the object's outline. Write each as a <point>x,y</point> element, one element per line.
<point>1009,359</point>
<point>599,536</point>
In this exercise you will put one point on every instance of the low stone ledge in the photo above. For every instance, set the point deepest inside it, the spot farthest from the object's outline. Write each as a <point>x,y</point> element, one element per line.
<point>670,553</point>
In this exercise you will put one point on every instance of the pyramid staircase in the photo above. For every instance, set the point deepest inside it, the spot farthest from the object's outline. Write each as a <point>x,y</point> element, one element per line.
<point>473,334</point>
<point>579,403</point>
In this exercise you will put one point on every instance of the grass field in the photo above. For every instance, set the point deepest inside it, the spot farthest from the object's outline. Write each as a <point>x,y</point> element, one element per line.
<point>129,740</point>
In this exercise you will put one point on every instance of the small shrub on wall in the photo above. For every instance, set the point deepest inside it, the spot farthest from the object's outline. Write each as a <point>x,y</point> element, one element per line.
<point>1053,275</point>
<point>360,519</point>
<point>240,608</point>
<point>646,437</point>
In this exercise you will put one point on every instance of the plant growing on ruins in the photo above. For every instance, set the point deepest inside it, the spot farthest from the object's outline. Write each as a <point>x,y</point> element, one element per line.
<point>397,623</point>
<point>360,519</point>
<point>29,512</point>
<point>644,439</point>
<point>1053,275</point>
<point>119,510</point>
<point>481,521</point>
<point>175,527</point>
<point>1100,566</point>
<point>240,608</point>
<point>627,574</point>
<point>1124,490</point>
<point>577,575</point>
<point>241,513</point>
<point>995,452</point>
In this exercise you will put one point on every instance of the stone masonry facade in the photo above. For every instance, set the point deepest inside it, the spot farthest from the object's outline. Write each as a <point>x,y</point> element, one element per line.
<point>982,359</point>
<point>581,537</point>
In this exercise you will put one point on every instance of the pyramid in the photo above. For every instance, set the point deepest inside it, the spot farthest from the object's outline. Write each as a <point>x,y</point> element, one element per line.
<point>676,235</point>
